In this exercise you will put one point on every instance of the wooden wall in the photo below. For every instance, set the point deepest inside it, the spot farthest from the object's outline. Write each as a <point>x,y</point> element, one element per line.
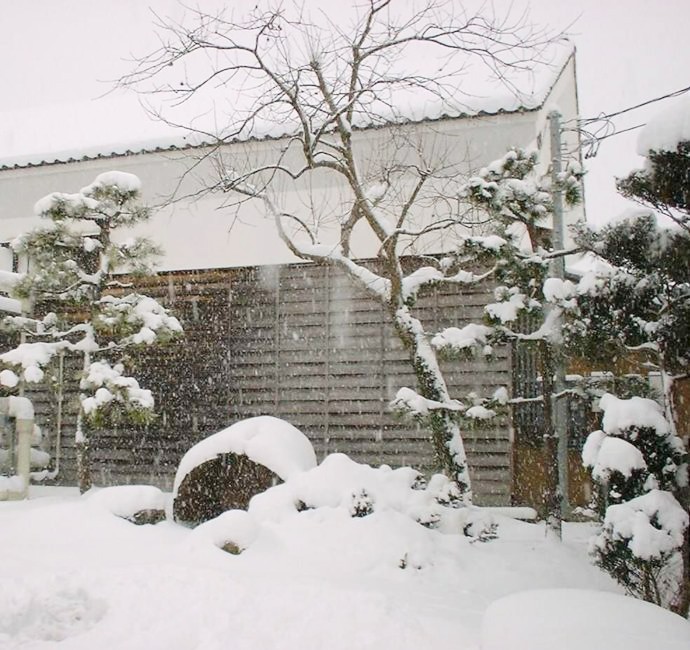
<point>300,342</point>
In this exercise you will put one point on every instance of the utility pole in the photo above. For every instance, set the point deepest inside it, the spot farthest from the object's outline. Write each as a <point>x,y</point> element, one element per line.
<point>559,405</point>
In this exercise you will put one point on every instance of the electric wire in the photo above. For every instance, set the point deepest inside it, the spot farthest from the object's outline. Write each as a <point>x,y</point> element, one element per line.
<point>594,130</point>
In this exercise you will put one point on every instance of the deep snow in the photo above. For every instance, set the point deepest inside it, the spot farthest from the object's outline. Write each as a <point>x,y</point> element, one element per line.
<point>75,576</point>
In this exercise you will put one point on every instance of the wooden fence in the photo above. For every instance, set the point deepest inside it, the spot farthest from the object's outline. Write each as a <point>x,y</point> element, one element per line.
<point>300,342</point>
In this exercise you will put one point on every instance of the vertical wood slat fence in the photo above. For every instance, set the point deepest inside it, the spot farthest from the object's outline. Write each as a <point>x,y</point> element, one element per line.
<point>300,342</point>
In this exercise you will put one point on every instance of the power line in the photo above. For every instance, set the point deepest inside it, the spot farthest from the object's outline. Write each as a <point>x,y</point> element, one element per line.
<point>594,130</point>
<point>608,116</point>
<point>611,135</point>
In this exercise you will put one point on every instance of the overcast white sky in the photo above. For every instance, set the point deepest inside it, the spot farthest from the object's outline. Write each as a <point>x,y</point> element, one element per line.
<point>59,52</point>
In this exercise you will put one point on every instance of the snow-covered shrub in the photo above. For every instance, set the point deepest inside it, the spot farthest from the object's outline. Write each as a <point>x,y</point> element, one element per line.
<point>444,491</point>
<point>362,491</point>
<point>362,504</point>
<point>640,546</point>
<point>637,462</point>
<point>480,527</point>
<point>634,452</point>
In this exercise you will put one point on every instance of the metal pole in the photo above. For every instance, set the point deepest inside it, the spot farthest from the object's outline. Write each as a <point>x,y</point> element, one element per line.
<point>560,404</point>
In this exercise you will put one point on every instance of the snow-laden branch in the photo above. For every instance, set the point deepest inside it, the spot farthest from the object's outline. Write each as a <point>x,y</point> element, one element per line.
<point>410,402</point>
<point>468,338</point>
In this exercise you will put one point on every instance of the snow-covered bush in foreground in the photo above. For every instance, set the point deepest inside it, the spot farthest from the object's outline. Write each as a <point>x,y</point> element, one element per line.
<point>637,462</point>
<point>640,543</point>
<point>635,451</point>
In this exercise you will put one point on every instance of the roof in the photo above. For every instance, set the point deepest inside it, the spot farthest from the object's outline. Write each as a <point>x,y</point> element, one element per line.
<point>181,140</point>
<point>118,124</point>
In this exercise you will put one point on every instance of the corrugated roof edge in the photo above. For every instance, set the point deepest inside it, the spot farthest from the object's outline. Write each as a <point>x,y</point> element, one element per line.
<point>134,150</point>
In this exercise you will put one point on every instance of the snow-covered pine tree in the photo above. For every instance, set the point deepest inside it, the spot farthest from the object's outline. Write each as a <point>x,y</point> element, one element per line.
<point>664,184</point>
<point>86,309</point>
<point>638,300</point>
<point>530,303</point>
<point>637,464</point>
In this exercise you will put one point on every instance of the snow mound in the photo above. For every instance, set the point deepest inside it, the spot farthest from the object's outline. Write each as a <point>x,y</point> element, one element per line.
<point>233,531</point>
<point>573,619</point>
<point>11,484</point>
<point>357,490</point>
<point>336,483</point>
<point>127,500</point>
<point>266,440</point>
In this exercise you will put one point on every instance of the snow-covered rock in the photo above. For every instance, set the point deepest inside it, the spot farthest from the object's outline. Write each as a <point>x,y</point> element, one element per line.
<point>226,469</point>
<point>136,503</point>
<point>232,531</point>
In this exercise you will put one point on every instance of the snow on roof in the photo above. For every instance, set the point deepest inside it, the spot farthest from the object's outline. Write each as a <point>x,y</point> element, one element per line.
<point>119,124</point>
<point>88,131</point>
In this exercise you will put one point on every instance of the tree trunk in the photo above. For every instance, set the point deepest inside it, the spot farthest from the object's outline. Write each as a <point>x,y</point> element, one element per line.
<point>552,497</point>
<point>82,449</point>
<point>83,465</point>
<point>445,432</point>
<point>682,604</point>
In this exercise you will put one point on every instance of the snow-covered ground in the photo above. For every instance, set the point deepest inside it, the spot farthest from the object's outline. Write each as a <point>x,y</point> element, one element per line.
<point>75,575</point>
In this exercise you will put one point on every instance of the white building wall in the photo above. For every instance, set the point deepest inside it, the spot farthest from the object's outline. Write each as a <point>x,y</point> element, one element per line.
<point>202,230</point>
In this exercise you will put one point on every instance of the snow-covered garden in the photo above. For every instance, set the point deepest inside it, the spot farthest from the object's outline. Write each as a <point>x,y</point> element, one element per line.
<point>262,545</point>
<point>339,555</point>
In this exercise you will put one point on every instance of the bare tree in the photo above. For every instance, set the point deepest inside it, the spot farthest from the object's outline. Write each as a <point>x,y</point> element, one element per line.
<point>316,81</point>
